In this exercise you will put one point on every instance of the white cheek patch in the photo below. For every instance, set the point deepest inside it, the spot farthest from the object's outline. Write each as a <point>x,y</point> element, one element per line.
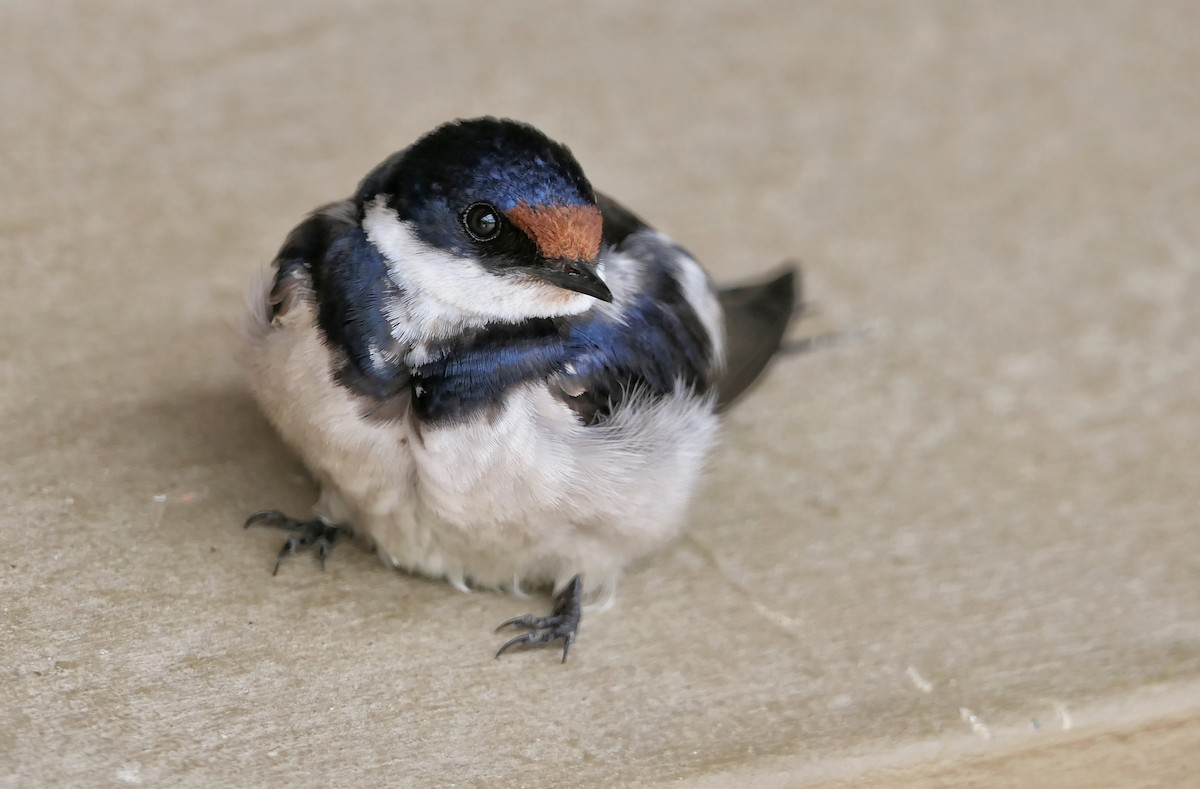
<point>445,293</point>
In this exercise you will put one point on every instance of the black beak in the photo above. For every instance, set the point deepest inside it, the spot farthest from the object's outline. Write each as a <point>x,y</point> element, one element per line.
<point>576,275</point>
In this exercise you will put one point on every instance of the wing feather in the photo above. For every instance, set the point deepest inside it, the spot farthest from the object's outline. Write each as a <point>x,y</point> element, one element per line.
<point>756,317</point>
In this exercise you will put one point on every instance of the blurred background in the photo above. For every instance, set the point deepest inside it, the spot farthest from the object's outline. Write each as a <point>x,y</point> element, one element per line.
<point>968,532</point>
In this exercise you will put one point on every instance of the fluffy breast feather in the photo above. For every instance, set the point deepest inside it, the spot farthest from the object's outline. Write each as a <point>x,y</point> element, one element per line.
<point>526,489</point>
<point>525,493</point>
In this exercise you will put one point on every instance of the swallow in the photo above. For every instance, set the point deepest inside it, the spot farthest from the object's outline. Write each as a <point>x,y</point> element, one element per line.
<point>497,375</point>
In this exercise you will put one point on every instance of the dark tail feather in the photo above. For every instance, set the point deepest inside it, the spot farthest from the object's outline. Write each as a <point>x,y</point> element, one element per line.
<point>756,316</point>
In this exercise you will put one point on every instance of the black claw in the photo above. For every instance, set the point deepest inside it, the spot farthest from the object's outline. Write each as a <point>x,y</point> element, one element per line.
<point>562,623</point>
<point>529,620</point>
<point>289,547</point>
<point>267,518</point>
<point>312,533</point>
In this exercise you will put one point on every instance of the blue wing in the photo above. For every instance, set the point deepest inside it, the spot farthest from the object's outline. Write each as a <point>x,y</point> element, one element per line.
<point>331,254</point>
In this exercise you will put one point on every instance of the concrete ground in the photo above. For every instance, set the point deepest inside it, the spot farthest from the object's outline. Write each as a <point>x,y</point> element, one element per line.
<point>920,554</point>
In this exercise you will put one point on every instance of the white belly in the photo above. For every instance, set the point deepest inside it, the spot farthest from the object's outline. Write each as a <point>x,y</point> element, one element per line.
<point>519,494</point>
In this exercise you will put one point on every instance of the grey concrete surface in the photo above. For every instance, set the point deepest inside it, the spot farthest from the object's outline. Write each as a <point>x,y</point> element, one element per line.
<point>985,505</point>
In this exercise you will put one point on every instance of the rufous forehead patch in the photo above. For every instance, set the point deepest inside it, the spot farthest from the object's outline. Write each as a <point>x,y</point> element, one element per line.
<point>561,231</point>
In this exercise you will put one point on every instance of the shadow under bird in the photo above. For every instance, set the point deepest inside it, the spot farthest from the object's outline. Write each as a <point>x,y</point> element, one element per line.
<point>497,375</point>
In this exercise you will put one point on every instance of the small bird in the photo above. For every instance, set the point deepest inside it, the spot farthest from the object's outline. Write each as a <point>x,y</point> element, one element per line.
<point>497,375</point>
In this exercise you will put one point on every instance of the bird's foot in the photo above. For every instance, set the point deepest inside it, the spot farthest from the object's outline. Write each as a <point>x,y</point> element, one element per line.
<point>562,623</point>
<point>314,533</point>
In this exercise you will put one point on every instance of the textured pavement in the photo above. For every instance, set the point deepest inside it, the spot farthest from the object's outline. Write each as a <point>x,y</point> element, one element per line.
<point>965,522</point>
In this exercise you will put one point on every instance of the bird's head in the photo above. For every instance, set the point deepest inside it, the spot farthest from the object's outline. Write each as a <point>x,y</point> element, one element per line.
<point>487,220</point>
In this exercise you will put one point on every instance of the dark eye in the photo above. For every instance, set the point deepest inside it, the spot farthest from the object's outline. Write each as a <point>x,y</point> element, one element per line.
<point>482,221</point>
